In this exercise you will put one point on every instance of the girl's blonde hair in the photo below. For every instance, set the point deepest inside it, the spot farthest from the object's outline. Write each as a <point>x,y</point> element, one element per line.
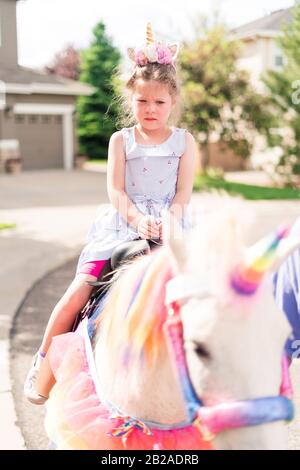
<point>165,74</point>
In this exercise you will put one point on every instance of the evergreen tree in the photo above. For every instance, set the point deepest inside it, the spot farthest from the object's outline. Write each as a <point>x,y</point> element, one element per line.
<point>95,125</point>
<point>218,97</point>
<point>284,88</point>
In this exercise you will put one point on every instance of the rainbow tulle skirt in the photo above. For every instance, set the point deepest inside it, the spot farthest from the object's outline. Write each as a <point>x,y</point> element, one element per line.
<point>76,418</point>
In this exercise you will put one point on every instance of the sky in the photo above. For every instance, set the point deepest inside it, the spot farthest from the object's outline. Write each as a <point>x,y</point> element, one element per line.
<point>48,26</point>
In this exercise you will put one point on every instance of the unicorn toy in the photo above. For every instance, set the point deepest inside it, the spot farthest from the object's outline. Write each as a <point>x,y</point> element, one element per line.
<point>186,353</point>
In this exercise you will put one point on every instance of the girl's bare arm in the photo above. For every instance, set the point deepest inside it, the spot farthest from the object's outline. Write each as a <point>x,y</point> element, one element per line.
<point>185,179</point>
<point>116,181</point>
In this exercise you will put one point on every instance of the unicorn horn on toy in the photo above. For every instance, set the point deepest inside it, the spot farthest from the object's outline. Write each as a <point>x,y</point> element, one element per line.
<point>259,259</point>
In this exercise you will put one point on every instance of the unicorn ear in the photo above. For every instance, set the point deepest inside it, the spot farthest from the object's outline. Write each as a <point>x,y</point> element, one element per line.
<point>174,48</point>
<point>131,53</point>
<point>173,237</point>
<point>286,247</point>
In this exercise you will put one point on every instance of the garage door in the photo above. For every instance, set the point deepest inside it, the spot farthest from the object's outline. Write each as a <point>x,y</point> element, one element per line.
<point>41,140</point>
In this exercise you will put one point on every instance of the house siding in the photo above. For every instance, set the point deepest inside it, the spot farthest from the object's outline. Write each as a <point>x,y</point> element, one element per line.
<point>223,157</point>
<point>40,98</point>
<point>8,45</point>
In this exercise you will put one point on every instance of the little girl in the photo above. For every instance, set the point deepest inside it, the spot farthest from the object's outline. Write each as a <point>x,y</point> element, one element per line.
<point>150,167</point>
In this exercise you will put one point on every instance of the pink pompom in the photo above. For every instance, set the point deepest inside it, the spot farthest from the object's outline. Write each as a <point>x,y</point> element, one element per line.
<point>164,54</point>
<point>140,57</point>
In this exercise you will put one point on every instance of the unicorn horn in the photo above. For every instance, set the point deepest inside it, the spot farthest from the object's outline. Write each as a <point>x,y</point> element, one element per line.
<point>259,259</point>
<point>149,35</point>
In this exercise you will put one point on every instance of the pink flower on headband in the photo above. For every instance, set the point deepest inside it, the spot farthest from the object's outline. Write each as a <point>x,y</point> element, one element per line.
<point>164,54</point>
<point>152,53</point>
<point>140,57</point>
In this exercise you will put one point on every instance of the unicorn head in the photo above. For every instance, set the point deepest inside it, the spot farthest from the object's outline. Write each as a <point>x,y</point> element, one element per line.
<point>234,334</point>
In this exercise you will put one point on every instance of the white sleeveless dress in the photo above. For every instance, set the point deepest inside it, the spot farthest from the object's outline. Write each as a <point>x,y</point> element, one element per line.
<point>150,182</point>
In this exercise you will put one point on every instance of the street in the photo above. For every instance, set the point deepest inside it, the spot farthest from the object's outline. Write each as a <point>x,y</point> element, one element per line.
<point>38,261</point>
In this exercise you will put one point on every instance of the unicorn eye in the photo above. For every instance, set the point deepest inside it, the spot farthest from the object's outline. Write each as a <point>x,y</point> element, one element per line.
<point>201,350</point>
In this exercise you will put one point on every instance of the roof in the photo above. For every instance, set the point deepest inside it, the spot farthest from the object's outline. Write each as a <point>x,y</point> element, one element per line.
<point>21,79</point>
<point>270,23</point>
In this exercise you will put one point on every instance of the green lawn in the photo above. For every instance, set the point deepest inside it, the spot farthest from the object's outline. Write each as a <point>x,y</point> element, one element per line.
<point>98,161</point>
<point>5,226</point>
<point>206,183</point>
<point>248,191</point>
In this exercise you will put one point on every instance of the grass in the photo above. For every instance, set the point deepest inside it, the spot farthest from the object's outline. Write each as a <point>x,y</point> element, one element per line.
<point>6,226</point>
<point>247,191</point>
<point>98,161</point>
<point>206,183</point>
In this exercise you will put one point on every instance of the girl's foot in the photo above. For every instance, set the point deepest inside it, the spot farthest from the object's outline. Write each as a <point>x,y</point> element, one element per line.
<point>30,391</point>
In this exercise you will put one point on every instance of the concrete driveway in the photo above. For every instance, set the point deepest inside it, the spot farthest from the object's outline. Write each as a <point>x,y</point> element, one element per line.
<point>53,210</point>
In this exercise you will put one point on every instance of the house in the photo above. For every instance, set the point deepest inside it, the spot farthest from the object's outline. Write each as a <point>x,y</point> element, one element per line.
<point>37,111</point>
<point>260,51</point>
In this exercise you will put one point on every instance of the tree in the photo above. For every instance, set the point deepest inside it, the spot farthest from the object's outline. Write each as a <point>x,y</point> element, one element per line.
<point>95,125</point>
<point>218,97</point>
<point>66,64</point>
<point>284,86</point>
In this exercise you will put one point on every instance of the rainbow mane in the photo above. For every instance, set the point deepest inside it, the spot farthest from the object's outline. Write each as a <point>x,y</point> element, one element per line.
<point>134,313</point>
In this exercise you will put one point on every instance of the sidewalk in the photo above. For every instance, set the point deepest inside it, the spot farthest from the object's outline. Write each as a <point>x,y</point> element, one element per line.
<point>98,167</point>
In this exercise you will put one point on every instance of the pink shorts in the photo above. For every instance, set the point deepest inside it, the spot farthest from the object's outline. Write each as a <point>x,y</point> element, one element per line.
<point>93,268</point>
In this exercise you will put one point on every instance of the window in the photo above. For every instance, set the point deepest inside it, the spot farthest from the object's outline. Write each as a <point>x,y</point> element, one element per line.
<point>33,118</point>
<point>278,60</point>
<point>46,119</point>
<point>19,118</point>
<point>2,94</point>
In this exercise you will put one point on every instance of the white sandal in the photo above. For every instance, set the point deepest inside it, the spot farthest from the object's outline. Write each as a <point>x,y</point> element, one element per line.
<point>29,385</point>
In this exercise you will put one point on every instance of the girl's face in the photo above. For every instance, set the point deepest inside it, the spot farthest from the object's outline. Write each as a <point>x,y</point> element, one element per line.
<point>152,104</point>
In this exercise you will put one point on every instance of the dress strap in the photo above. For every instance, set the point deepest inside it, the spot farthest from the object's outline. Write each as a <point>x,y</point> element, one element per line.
<point>178,141</point>
<point>128,139</point>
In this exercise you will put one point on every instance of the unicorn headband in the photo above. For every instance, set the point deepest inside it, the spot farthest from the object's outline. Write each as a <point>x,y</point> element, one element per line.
<point>153,52</point>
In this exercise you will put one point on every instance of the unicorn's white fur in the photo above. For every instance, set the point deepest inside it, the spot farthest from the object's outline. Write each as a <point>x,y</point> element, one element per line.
<point>243,338</point>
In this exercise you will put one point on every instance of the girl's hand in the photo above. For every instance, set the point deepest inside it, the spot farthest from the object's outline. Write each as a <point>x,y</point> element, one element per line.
<point>160,227</point>
<point>148,227</point>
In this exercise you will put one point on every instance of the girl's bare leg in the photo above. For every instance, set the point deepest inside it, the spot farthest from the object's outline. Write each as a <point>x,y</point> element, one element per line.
<point>45,380</point>
<point>65,311</point>
<point>61,321</point>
